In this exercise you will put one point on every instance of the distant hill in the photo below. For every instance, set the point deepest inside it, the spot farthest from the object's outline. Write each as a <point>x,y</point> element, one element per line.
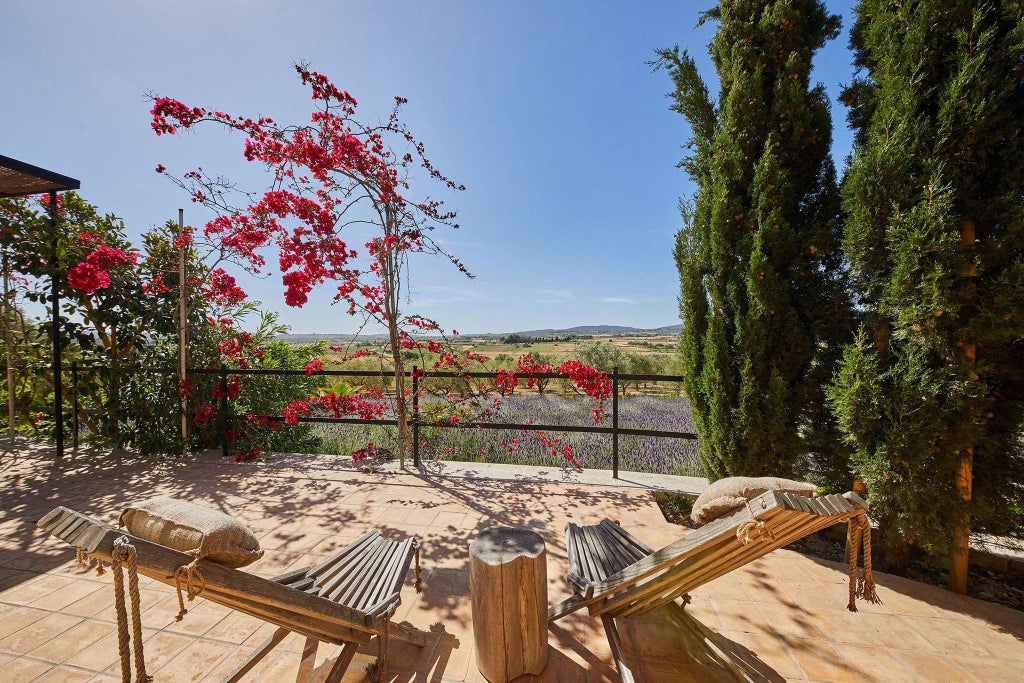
<point>596,330</point>
<point>580,330</point>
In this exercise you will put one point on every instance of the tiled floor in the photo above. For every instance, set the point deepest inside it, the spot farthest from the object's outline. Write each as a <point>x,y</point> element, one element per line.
<point>782,617</point>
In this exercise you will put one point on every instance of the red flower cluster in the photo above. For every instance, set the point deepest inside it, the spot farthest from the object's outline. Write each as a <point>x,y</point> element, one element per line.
<point>368,451</point>
<point>93,273</point>
<point>88,278</point>
<point>313,367</point>
<point>222,289</point>
<point>369,405</point>
<point>249,456</point>
<point>206,413</point>
<point>234,388</point>
<point>526,365</point>
<point>506,382</point>
<point>361,353</point>
<point>590,381</point>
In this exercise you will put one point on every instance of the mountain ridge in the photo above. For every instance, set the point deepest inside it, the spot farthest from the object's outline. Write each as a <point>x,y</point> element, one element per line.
<point>578,330</point>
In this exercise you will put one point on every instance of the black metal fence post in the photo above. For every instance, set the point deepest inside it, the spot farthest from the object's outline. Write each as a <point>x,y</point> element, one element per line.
<point>615,423</point>
<point>74,405</point>
<point>223,387</point>
<point>415,417</point>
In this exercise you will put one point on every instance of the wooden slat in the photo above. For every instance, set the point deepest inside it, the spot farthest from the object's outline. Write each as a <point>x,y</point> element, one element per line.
<point>359,578</point>
<point>389,595</point>
<point>572,548</point>
<point>588,565</point>
<point>596,548</point>
<point>342,561</point>
<point>304,584</point>
<point>617,554</point>
<point>343,574</point>
<point>377,575</point>
<point>855,500</point>
<point>638,547</point>
<point>840,503</point>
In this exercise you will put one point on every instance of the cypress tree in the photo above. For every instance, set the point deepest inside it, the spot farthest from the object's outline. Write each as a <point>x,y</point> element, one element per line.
<point>931,395</point>
<point>762,299</point>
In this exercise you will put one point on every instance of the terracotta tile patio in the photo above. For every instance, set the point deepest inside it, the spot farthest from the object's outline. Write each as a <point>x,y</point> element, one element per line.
<point>780,618</point>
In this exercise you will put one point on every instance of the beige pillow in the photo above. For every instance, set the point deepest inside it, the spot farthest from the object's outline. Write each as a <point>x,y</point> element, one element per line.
<point>726,495</point>
<point>192,528</point>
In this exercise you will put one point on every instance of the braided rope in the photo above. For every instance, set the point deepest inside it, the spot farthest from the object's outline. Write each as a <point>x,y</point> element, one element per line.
<point>853,541</point>
<point>866,583</point>
<point>133,594</point>
<point>862,582</point>
<point>116,557</point>
<point>189,577</point>
<point>753,527</point>
<point>123,555</point>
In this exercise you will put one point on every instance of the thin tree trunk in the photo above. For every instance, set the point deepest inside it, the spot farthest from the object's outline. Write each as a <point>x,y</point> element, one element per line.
<point>390,281</point>
<point>959,552</point>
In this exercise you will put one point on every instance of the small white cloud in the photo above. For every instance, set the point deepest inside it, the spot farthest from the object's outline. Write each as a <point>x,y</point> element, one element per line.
<point>555,296</point>
<point>433,295</point>
<point>619,300</point>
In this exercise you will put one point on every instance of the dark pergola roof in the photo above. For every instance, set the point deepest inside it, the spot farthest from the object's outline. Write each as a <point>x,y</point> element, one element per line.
<point>18,179</point>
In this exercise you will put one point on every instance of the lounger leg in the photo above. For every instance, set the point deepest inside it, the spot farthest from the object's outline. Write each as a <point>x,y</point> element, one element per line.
<point>345,655</point>
<point>306,664</point>
<point>262,652</point>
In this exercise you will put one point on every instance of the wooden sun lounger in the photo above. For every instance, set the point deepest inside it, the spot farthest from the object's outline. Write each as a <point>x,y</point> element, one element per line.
<point>345,600</point>
<point>616,575</point>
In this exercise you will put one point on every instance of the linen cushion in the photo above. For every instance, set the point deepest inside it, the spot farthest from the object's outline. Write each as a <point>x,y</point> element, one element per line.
<point>187,527</point>
<point>730,493</point>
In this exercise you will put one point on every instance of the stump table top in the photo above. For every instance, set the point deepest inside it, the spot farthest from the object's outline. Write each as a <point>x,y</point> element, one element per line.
<point>498,545</point>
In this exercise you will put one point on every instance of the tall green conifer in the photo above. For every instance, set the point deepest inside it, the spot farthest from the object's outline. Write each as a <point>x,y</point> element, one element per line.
<point>932,394</point>
<point>762,298</point>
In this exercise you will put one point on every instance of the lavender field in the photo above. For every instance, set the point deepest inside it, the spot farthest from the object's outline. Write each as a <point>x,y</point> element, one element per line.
<point>636,453</point>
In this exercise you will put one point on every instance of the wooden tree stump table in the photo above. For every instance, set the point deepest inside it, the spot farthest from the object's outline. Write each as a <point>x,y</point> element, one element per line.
<point>509,585</point>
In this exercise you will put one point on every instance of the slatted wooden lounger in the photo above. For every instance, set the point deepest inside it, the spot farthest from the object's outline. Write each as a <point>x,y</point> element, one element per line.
<point>345,600</point>
<point>616,575</point>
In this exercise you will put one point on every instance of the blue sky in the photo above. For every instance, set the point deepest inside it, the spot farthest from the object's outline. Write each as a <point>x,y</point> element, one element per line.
<point>545,110</point>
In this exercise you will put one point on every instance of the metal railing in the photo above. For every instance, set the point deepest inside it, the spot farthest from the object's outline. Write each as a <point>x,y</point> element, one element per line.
<point>226,419</point>
<point>416,375</point>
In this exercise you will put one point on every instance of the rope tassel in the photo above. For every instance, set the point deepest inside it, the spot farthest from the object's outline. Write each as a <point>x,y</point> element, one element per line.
<point>189,577</point>
<point>862,582</point>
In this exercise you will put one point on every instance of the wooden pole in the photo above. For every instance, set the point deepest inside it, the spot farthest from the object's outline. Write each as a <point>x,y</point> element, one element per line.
<point>182,332</point>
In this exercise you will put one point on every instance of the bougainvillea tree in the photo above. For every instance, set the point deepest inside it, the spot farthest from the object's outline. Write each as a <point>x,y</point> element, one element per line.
<point>331,178</point>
